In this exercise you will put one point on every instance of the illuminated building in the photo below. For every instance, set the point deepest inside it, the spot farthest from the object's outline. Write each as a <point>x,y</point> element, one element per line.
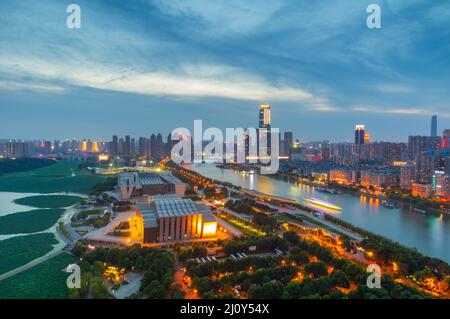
<point>421,190</point>
<point>425,166</point>
<point>169,218</point>
<point>359,134</point>
<point>264,116</point>
<point>446,139</point>
<point>378,179</point>
<point>132,184</point>
<point>341,176</point>
<point>366,138</point>
<point>103,157</point>
<point>94,147</point>
<point>407,177</point>
<point>84,146</point>
<point>441,184</point>
<point>419,144</point>
<point>264,129</point>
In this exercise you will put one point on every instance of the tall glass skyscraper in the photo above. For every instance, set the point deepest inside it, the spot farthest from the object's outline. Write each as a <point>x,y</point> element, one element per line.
<point>434,126</point>
<point>360,133</point>
<point>264,116</point>
<point>264,129</point>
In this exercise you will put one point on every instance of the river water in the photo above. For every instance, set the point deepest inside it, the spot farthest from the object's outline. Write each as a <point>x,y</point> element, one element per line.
<point>429,234</point>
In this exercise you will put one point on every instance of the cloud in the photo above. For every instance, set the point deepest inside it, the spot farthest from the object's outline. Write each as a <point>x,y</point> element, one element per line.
<point>188,80</point>
<point>394,88</point>
<point>399,110</point>
<point>19,86</point>
<point>222,17</point>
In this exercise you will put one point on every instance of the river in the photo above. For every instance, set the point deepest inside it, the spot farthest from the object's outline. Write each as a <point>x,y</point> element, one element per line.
<point>429,234</point>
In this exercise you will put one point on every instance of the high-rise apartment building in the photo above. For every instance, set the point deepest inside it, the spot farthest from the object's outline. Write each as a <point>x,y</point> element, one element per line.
<point>360,134</point>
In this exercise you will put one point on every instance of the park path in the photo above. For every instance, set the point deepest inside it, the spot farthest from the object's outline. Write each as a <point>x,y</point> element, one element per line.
<point>31,264</point>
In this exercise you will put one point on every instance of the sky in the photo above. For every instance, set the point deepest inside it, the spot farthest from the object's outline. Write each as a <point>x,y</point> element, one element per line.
<point>143,66</point>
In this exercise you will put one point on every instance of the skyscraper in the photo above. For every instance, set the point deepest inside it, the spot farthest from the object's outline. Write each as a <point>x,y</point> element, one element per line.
<point>127,150</point>
<point>359,134</point>
<point>264,129</point>
<point>288,142</point>
<point>114,145</point>
<point>264,116</point>
<point>434,126</point>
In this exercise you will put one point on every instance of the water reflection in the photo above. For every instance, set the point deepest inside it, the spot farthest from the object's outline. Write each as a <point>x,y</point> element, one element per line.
<point>429,234</point>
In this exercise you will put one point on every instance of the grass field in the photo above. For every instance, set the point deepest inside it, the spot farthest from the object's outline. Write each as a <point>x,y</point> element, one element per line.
<point>17,251</point>
<point>29,222</point>
<point>44,281</point>
<point>48,201</point>
<point>60,177</point>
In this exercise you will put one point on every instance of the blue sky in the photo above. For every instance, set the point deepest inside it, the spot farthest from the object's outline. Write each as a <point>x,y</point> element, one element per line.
<point>143,66</point>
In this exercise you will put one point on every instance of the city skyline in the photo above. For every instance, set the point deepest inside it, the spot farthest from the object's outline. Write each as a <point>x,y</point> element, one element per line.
<point>321,76</point>
<point>435,130</point>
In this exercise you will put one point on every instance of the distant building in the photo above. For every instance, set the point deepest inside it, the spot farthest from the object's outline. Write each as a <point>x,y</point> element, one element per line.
<point>425,166</point>
<point>378,179</point>
<point>342,176</point>
<point>359,134</point>
<point>407,177</point>
<point>168,218</point>
<point>441,184</point>
<point>446,139</point>
<point>434,126</point>
<point>419,144</point>
<point>288,143</point>
<point>385,152</point>
<point>264,129</point>
<point>421,190</point>
<point>132,184</point>
<point>17,149</point>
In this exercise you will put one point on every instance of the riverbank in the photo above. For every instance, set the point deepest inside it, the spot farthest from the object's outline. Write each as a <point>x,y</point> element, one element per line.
<point>295,179</point>
<point>427,233</point>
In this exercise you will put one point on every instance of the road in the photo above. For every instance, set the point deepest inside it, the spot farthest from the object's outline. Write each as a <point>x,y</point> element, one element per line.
<point>31,264</point>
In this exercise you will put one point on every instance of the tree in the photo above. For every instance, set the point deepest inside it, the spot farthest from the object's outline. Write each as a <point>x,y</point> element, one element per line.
<point>299,256</point>
<point>317,269</point>
<point>291,237</point>
<point>266,291</point>
<point>155,290</point>
<point>340,279</point>
<point>98,269</point>
<point>177,292</point>
<point>99,290</point>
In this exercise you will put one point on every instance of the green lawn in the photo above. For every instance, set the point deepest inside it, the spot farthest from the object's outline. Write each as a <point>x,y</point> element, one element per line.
<point>17,251</point>
<point>48,201</point>
<point>29,222</point>
<point>60,177</point>
<point>44,281</point>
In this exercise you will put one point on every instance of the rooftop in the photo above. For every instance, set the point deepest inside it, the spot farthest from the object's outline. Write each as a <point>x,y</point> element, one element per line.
<point>171,205</point>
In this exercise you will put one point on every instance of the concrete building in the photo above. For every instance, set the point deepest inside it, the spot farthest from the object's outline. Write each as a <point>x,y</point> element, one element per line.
<point>133,184</point>
<point>359,134</point>
<point>425,166</point>
<point>441,185</point>
<point>342,176</point>
<point>378,179</point>
<point>421,190</point>
<point>167,218</point>
<point>407,177</point>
